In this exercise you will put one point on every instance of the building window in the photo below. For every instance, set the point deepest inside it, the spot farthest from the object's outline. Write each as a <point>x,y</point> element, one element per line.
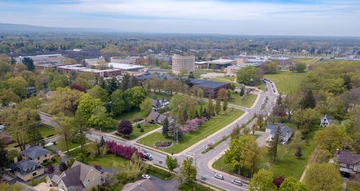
<point>45,155</point>
<point>38,158</point>
<point>34,174</point>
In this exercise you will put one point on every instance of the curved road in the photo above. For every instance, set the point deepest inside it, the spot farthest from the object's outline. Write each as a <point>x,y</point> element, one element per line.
<point>203,162</point>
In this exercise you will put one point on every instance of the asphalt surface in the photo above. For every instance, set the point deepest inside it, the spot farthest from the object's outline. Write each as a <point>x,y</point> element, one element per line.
<point>203,161</point>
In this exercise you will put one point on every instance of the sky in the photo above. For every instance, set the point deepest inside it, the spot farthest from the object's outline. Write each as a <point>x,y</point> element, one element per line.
<point>241,17</point>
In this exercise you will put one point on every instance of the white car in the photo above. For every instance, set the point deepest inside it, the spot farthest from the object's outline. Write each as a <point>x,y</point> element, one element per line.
<point>145,176</point>
<point>237,182</point>
<point>219,176</point>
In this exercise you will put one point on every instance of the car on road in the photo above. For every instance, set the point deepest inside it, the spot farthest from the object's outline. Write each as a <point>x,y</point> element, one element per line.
<point>148,156</point>
<point>219,176</point>
<point>145,176</point>
<point>237,182</point>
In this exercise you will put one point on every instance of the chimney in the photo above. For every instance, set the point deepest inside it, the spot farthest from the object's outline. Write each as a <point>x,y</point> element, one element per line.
<point>15,159</point>
<point>337,151</point>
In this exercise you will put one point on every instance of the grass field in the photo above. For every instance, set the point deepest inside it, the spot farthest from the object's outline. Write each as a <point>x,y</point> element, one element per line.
<point>46,130</point>
<point>131,115</point>
<point>304,60</point>
<point>286,165</point>
<point>262,86</point>
<point>191,138</point>
<point>248,102</point>
<point>353,186</point>
<point>136,131</point>
<point>62,146</point>
<point>286,82</point>
<point>107,161</point>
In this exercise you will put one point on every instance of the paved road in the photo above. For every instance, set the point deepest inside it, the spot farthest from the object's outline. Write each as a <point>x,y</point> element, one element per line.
<point>203,161</point>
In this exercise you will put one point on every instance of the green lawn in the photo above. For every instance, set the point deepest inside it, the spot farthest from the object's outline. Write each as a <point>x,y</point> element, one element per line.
<point>304,60</point>
<point>191,138</point>
<point>248,102</point>
<point>262,86</point>
<point>136,132</point>
<point>352,186</point>
<point>46,131</point>
<point>55,160</point>
<point>286,82</point>
<point>131,115</point>
<point>161,95</point>
<point>286,165</point>
<point>62,146</point>
<point>107,161</point>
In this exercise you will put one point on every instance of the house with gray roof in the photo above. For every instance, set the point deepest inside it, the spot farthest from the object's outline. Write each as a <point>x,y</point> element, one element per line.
<point>349,163</point>
<point>325,121</point>
<point>36,153</point>
<point>156,117</point>
<point>141,185</point>
<point>285,132</point>
<point>79,177</point>
<point>27,169</point>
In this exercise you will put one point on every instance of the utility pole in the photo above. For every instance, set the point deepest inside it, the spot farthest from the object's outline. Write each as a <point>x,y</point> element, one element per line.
<point>177,135</point>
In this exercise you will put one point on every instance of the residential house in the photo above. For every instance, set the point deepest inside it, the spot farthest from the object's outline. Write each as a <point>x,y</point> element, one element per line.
<point>159,103</point>
<point>79,177</point>
<point>349,162</point>
<point>325,121</point>
<point>30,90</point>
<point>37,154</point>
<point>27,169</point>
<point>156,117</point>
<point>285,132</point>
<point>2,127</point>
<point>141,185</point>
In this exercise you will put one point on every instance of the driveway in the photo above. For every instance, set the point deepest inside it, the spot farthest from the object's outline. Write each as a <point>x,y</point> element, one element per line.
<point>262,136</point>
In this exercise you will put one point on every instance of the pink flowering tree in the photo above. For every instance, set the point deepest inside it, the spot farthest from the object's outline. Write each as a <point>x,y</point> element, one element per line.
<point>193,124</point>
<point>121,150</point>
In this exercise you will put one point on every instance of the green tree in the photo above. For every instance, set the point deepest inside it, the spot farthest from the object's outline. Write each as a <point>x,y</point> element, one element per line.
<point>292,184</point>
<point>31,103</point>
<point>165,128</point>
<point>303,117</point>
<point>134,96</point>
<point>18,122</point>
<point>111,85</point>
<point>117,102</point>
<point>5,67</point>
<point>308,100</point>
<point>66,128</point>
<point>248,75</point>
<point>146,106</point>
<point>171,163</point>
<point>323,177</point>
<point>7,187</point>
<point>225,104</point>
<point>99,118</point>
<point>87,105</point>
<point>188,170</point>
<point>99,93</point>
<point>332,137</point>
<point>242,91</point>
<point>18,85</point>
<point>271,67</point>
<point>34,137</point>
<point>7,96</point>
<point>29,63</point>
<point>300,67</point>
<point>64,100</point>
<point>4,162</point>
<point>218,106</point>
<point>185,115</point>
<point>290,103</point>
<point>262,181</point>
<point>210,107</point>
<point>274,144</point>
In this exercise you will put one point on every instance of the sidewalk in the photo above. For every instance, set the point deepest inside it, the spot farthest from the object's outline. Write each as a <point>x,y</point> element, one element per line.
<point>212,135</point>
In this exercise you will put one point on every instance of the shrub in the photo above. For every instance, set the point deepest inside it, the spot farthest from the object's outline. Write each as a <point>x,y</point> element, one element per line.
<point>70,162</point>
<point>50,168</point>
<point>121,150</point>
<point>138,125</point>
<point>62,166</point>
<point>125,127</point>
<point>97,167</point>
<point>163,143</point>
<point>142,130</point>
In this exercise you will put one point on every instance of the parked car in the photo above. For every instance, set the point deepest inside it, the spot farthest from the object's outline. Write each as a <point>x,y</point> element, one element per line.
<point>219,176</point>
<point>203,178</point>
<point>145,176</point>
<point>148,156</point>
<point>237,182</point>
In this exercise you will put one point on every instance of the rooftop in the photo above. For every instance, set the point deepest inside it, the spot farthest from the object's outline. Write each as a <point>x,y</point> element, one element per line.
<point>141,185</point>
<point>221,61</point>
<point>207,83</point>
<point>348,157</point>
<point>34,152</point>
<point>125,66</point>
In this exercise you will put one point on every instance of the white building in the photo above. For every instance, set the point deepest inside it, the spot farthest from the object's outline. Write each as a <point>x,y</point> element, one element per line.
<point>180,63</point>
<point>94,61</point>
<point>126,67</point>
<point>48,59</point>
